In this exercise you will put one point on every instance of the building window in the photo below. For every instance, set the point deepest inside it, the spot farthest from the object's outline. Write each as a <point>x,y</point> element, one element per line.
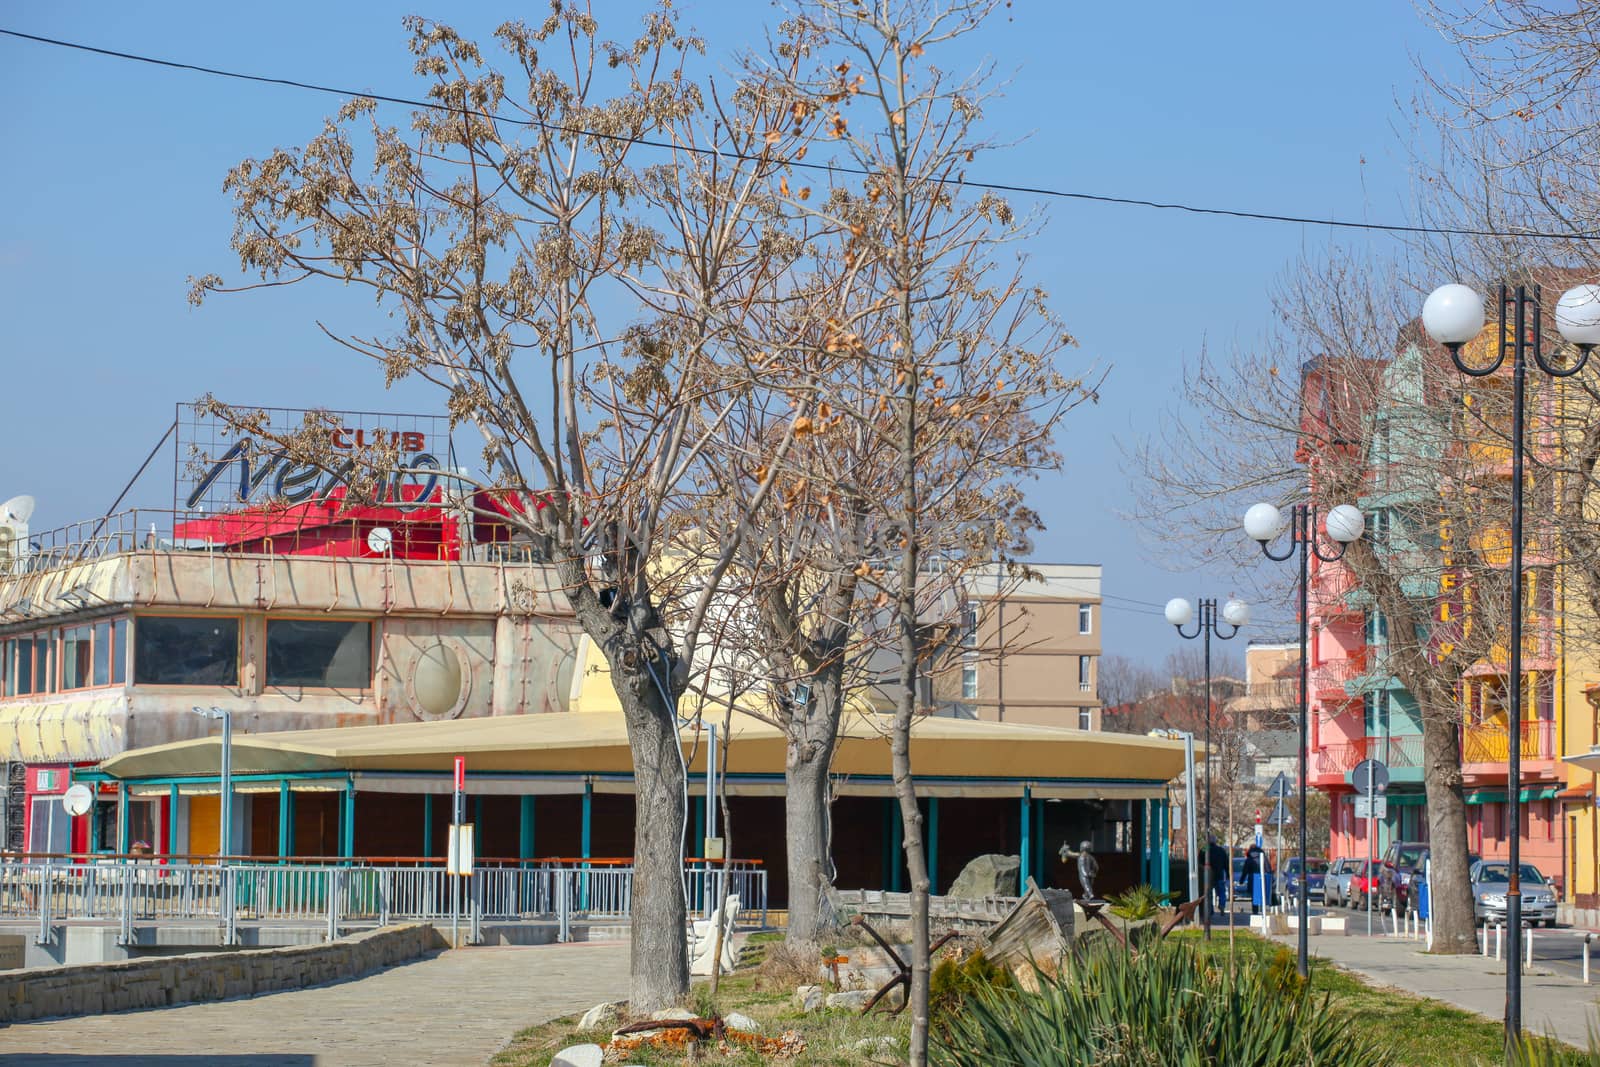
<point>969,625</point>
<point>319,653</point>
<point>1085,718</point>
<point>77,665</point>
<point>1084,684</point>
<point>110,651</point>
<point>170,650</point>
<point>1085,619</point>
<point>1377,628</point>
<point>969,682</point>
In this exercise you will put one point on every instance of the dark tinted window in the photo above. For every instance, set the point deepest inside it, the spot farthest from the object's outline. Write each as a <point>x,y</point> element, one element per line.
<point>193,651</point>
<point>319,652</point>
<point>1409,857</point>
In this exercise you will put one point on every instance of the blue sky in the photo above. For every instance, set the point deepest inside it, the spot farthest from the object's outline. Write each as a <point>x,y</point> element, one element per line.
<point>111,179</point>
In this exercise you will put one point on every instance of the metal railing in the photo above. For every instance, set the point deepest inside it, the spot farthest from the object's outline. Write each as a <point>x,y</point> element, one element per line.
<point>1491,743</point>
<point>134,893</point>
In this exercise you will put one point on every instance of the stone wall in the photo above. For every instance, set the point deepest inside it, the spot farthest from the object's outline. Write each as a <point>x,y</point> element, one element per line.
<point>92,988</point>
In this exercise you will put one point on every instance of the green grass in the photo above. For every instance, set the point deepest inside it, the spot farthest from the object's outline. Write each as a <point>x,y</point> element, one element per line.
<point>1419,1031</point>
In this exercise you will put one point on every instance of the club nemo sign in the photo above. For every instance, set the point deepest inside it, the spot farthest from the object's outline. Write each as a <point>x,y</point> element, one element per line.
<point>219,470</point>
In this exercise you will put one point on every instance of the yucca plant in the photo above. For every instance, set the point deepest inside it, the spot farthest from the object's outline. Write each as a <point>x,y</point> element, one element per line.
<point>1138,903</point>
<point>1164,1007</point>
<point>1548,1052</point>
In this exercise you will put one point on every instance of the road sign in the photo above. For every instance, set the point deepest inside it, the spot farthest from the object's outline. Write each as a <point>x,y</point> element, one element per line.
<point>1280,787</point>
<point>1378,808</point>
<point>1370,776</point>
<point>1281,816</point>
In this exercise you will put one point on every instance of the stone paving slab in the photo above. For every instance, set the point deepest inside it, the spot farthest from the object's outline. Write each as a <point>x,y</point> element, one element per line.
<point>453,1008</point>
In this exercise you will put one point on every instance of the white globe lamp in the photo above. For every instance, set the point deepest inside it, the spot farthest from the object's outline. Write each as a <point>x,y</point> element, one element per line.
<point>1345,523</point>
<point>1179,611</point>
<point>1453,314</point>
<point>1236,612</point>
<point>1263,522</point>
<point>1578,315</point>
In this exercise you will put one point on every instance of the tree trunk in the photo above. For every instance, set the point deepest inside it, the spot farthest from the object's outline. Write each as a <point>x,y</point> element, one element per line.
<point>1449,888</point>
<point>659,955</point>
<point>808,757</point>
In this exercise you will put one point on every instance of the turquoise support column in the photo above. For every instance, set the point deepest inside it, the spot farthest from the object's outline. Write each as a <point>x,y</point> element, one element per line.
<point>588,816</point>
<point>1040,862</point>
<point>172,818</point>
<point>588,825</point>
<point>933,845</point>
<point>347,823</point>
<point>289,848</point>
<point>1141,816</point>
<point>1025,848</point>
<point>285,820</point>
<point>123,817</point>
<point>525,829</point>
<point>897,848</point>
<point>1164,875</point>
<point>94,827</point>
<point>427,824</point>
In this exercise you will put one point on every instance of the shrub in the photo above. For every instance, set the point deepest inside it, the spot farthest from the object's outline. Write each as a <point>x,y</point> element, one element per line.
<point>954,982</point>
<point>1165,1007</point>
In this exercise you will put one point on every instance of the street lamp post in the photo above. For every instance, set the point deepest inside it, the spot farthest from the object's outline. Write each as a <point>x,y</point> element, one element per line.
<point>1235,613</point>
<point>1453,315</point>
<point>1344,524</point>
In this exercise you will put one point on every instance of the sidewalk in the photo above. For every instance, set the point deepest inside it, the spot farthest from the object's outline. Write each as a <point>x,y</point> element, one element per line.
<point>1550,1002</point>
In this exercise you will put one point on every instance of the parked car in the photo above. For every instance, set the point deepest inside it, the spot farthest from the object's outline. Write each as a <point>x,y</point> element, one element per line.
<point>1489,885</point>
<point>1359,885</point>
<point>1336,886</point>
<point>1316,878</point>
<point>1400,861</point>
<point>1419,876</point>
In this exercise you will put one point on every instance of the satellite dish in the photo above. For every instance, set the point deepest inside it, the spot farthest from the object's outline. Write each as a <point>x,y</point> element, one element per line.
<point>380,540</point>
<point>78,799</point>
<point>17,509</point>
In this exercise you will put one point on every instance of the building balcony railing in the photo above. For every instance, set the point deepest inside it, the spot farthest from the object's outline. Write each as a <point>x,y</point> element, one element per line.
<point>1401,752</point>
<point>1329,594</point>
<point>1336,760</point>
<point>1490,743</point>
<point>1329,680</point>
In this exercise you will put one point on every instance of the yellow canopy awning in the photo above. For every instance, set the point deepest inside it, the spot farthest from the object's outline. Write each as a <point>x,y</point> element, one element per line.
<point>597,743</point>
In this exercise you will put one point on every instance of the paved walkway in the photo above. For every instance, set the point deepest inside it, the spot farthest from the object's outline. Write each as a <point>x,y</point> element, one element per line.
<point>452,1008</point>
<point>1551,1000</point>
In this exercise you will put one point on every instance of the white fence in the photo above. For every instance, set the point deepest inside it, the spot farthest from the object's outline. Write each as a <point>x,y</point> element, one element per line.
<point>133,893</point>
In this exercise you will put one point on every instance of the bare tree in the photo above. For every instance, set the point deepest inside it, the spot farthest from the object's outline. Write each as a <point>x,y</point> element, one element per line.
<point>960,345</point>
<point>581,313</point>
<point>1346,402</point>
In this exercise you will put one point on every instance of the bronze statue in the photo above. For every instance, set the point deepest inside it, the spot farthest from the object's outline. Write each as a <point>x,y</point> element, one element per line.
<point>1088,866</point>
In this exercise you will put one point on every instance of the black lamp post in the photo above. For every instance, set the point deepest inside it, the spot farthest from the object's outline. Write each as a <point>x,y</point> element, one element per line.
<point>1235,613</point>
<point>1453,315</point>
<point>1344,524</point>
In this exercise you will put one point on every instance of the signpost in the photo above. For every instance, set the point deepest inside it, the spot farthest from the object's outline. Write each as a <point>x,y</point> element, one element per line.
<point>458,863</point>
<point>1371,779</point>
<point>1280,789</point>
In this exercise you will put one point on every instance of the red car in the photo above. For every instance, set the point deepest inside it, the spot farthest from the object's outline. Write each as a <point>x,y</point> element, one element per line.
<point>1362,885</point>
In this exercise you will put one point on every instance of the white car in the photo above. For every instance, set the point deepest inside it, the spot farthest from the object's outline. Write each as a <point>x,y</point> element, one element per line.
<point>1336,887</point>
<point>1489,887</point>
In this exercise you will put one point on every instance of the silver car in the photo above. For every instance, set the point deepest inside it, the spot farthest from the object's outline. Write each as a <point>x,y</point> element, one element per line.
<point>1336,887</point>
<point>1489,884</point>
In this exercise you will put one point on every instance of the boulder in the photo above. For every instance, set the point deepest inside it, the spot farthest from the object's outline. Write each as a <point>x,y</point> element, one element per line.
<point>878,1046</point>
<point>677,1014</point>
<point>808,997</point>
<point>990,875</point>
<point>850,999</point>
<point>601,1017</point>
<point>741,1022</point>
<point>579,1056</point>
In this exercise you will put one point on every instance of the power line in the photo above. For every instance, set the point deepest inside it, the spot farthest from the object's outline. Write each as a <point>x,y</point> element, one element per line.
<point>829,168</point>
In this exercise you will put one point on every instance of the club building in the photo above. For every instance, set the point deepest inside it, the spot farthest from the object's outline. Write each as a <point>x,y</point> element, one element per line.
<point>358,650</point>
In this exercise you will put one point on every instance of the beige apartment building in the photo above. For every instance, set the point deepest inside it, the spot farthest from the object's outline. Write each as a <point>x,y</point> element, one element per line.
<point>1031,649</point>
